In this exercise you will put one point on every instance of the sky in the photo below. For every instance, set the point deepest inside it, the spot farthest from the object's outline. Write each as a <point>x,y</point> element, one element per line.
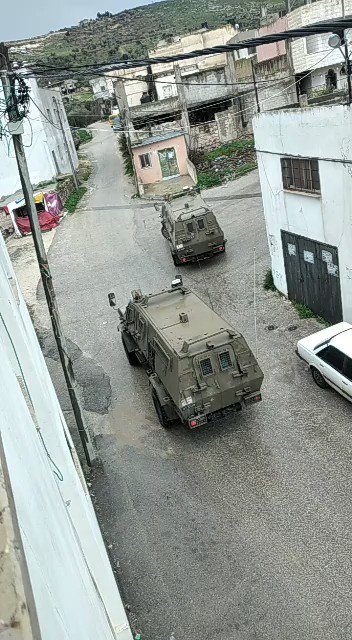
<point>37,17</point>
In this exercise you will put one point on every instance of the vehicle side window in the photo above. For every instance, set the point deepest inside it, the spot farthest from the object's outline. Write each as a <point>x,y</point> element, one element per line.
<point>206,367</point>
<point>333,357</point>
<point>347,368</point>
<point>190,227</point>
<point>200,223</point>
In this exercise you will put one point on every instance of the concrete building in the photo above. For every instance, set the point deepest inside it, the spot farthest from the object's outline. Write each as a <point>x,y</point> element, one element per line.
<point>162,165</point>
<point>102,87</point>
<point>312,56</point>
<point>305,167</point>
<point>55,577</point>
<point>156,92</point>
<point>43,139</point>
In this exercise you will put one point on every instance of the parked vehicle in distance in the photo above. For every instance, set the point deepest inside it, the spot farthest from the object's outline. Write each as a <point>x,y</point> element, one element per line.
<point>117,124</point>
<point>199,367</point>
<point>191,229</point>
<point>329,355</point>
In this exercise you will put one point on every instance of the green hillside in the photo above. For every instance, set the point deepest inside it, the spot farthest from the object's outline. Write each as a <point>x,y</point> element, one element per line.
<point>132,32</point>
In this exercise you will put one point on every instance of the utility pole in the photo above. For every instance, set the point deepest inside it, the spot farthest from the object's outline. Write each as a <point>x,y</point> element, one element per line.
<point>66,363</point>
<point>348,69</point>
<point>255,86</point>
<point>68,151</point>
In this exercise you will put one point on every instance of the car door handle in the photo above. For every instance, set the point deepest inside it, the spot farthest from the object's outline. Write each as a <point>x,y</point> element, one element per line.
<point>344,382</point>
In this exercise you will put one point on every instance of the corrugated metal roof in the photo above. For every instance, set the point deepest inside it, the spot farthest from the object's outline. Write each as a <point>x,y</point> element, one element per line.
<point>160,138</point>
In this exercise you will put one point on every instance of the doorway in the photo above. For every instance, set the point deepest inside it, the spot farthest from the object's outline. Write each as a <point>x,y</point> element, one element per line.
<point>312,274</point>
<point>168,163</point>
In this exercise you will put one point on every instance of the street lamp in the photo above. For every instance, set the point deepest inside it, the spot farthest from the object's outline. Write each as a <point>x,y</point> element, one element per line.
<point>335,41</point>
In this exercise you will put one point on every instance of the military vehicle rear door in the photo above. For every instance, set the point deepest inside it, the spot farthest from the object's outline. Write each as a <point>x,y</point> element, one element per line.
<point>218,368</point>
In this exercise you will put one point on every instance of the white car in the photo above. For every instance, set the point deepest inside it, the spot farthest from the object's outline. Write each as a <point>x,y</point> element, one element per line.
<point>329,355</point>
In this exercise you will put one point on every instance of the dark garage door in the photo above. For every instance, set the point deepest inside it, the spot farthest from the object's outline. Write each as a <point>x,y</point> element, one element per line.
<point>312,274</point>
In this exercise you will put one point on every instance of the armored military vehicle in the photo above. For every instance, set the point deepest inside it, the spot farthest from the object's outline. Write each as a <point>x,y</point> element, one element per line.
<point>191,229</point>
<point>199,366</point>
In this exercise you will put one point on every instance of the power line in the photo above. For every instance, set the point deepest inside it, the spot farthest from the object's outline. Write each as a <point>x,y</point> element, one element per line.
<point>327,26</point>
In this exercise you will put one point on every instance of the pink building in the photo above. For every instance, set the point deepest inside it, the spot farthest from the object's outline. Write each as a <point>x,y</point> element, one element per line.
<point>162,164</point>
<point>275,49</point>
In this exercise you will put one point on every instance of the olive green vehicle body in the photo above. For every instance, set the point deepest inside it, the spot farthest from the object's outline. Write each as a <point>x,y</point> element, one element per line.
<point>198,365</point>
<point>191,229</point>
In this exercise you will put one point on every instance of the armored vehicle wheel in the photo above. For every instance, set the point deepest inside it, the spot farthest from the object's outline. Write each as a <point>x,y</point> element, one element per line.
<point>131,356</point>
<point>163,419</point>
<point>318,378</point>
<point>177,262</point>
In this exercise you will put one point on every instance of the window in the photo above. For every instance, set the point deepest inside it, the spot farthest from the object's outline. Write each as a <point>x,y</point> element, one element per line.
<point>347,369</point>
<point>200,223</point>
<point>190,227</point>
<point>206,367</point>
<point>317,43</point>
<point>145,160</point>
<point>333,357</point>
<point>300,175</point>
<point>225,360</point>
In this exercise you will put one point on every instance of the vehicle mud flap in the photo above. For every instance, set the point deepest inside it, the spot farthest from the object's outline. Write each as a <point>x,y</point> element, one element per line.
<point>163,397</point>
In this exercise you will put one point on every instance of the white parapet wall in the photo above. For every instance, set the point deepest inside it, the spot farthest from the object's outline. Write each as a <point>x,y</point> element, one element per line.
<point>69,578</point>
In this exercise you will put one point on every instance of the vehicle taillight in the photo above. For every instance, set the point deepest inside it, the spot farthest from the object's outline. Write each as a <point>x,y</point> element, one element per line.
<point>221,248</point>
<point>193,423</point>
<point>184,259</point>
<point>257,398</point>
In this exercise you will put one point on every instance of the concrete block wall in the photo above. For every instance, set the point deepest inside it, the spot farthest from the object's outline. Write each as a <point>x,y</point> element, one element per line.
<point>308,14</point>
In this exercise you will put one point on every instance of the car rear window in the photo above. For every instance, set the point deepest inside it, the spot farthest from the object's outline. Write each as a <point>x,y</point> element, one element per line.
<point>200,223</point>
<point>333,357</point>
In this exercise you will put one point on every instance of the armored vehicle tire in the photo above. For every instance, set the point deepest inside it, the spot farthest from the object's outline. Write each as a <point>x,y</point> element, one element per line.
<point>131,356</point>
<point>177,262</point>
<point>163,419</point>
<point>318,378</point>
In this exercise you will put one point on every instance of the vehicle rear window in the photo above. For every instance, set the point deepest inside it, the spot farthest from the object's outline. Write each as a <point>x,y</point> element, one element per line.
<point>190,227</point>
<point>206,367</point>
<point>347,370</point>
<point>200,223</point>
<point>225,360</point>
<point>333,357</point>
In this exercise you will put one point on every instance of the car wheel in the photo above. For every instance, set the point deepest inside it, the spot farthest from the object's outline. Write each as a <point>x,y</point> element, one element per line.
<point>131,356</point>
<point>161,413</point>
<point>318,378</point>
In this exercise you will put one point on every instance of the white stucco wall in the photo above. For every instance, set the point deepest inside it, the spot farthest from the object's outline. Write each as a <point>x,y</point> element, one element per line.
<point>72,583</point>
<point>317,132</point>
<point>40,138</point>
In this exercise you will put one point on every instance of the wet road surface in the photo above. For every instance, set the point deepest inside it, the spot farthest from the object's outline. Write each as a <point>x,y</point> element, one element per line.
<point>242,530</point>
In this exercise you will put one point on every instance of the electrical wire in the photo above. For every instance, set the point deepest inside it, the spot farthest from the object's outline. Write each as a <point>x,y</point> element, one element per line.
<point>326,26</point>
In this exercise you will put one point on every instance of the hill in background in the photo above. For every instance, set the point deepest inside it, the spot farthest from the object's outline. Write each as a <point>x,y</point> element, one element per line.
<point>132,32</point>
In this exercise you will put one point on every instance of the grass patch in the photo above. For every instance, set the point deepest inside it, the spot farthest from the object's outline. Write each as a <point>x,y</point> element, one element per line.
<point>268,283</point>
<point>303,311</point>
<point>246,168</point>
<point>231,149</point>
<point>207,180</point>
<point>127,160</point>
<point>73,200</point>
<point>85,135</point>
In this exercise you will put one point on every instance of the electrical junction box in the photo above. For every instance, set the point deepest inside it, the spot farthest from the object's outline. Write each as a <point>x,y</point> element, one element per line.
<point>15,128</point>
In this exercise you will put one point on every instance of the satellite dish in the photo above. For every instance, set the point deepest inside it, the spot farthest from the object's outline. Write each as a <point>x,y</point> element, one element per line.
<point>334,41</point>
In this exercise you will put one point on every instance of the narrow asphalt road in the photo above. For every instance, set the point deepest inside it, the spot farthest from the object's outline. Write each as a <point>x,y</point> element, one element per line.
<point>240,531</point>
